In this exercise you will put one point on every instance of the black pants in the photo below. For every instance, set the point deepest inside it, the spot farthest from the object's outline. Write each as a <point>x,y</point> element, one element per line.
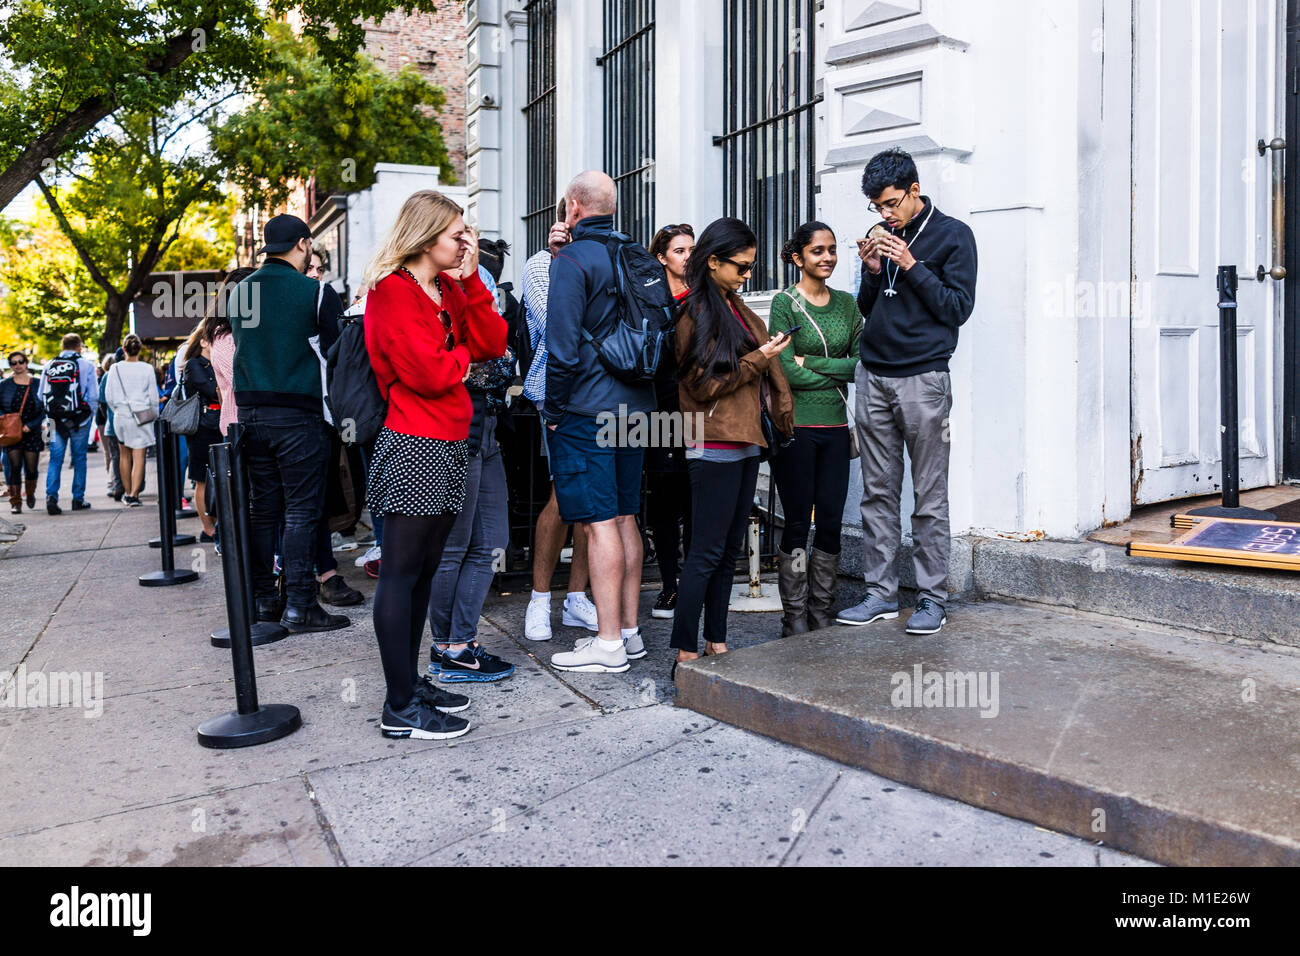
<point>722,496</point>
<point>413,547</point>
<point>669,517</point>
<point>813,471</point>
<point>285,452</point>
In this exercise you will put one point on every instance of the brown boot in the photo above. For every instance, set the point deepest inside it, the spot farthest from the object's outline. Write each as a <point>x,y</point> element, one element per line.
<point>31,492</point>
<point>16,499</point>
<point>792,582</point>
<point>823,569</point>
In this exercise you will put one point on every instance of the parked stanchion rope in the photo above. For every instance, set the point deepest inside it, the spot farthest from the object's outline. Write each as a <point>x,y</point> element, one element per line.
<point>250,723</point>
<point>167,537</point>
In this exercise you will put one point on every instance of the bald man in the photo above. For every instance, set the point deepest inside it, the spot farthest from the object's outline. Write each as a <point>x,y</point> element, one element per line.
<point>597,482</point>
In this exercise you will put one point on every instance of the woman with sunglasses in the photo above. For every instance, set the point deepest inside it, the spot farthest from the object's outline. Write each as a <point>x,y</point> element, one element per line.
<point>668,504</point>
<point>728,375</point>
<point>18,396</point>
<point>423,331</point>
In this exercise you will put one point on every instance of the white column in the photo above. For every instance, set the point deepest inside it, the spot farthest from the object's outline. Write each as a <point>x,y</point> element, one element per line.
<point>579,95</point>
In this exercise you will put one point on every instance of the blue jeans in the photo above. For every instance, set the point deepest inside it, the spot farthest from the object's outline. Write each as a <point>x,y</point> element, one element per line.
<point>481,532</point>
<point>79,440</point>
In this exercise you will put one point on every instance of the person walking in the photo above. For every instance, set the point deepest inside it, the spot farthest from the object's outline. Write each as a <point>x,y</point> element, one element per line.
<point>69,392</point>
<point>112,453</point>
<point>729,376</point>
<point>813,473</point>
<point>132,393</point>
<point>19,395</point>
<point>668,488</point>
<point>918,289</point>
<point>423,331</point>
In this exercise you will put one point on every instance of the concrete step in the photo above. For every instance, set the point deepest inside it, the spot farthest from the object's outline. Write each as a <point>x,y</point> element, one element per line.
<point>1227,603</point>
<point>1174,748</point>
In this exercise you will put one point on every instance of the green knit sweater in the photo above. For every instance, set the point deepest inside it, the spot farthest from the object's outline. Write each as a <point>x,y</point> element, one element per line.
<point>820,385</point>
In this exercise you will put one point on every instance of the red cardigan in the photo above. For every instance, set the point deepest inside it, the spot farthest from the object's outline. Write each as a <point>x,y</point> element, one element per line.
<point>419,378</point>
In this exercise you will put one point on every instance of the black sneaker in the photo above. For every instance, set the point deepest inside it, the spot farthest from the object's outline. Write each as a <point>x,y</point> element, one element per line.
<point>313,617</point>
<point>205,538</point>
<point>665,605</point>
<point>336,591</point>
<point>52,506</point>
<point>474,664</point>
<point>79,504</point>
<point>431,695</point>
<point>420,722</point>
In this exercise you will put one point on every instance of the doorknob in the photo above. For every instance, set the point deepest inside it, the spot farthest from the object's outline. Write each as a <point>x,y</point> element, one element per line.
<point>1276,145</point>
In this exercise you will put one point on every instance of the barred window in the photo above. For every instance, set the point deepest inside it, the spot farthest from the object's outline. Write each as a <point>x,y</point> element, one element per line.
<point>539,114</point>
<point>628,64</point>
<point>769,95</point>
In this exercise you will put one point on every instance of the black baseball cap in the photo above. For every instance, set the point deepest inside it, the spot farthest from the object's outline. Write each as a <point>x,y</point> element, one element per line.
<point>281,233</point>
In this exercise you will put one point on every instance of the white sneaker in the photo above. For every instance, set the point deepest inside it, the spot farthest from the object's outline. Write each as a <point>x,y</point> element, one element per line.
<point>340,543</point>
<point>579,612</point>
<point>587,657</point>
<point>370,555</point>
<point>537,619</point>
<point>634,647</point>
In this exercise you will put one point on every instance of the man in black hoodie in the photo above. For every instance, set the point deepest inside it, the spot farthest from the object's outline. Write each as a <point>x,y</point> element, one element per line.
<point>918,288</point>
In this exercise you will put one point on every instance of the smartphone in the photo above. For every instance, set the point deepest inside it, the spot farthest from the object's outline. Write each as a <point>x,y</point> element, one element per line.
<point>789,333</point>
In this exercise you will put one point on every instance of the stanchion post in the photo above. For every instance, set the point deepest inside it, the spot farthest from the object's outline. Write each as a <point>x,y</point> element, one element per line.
<point>169,462</point>
<point>166,521</point>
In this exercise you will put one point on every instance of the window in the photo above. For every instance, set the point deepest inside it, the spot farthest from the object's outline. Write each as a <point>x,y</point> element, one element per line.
<point>628,64</point>
<point>539,114</point>
<point>769,95</point>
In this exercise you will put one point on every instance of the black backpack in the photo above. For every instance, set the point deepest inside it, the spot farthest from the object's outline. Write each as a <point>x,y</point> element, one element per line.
<point>65,405</point>
<point>634,348</point>
<point>351,389</point>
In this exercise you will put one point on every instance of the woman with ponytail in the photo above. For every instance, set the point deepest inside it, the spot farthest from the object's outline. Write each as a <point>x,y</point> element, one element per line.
<point>814,472</point>
<point>728,374</point>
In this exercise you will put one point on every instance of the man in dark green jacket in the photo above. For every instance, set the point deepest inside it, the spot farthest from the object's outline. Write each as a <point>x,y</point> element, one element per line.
<point>282,325</point>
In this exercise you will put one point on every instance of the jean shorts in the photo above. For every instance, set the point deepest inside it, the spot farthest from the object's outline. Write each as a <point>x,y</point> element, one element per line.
<point>593,481</point>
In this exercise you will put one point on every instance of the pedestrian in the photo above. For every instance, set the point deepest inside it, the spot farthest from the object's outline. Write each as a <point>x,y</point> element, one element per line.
<point>131,389</point>
<point>728,379</point>
<point>19,395</point>
<point>281,325</point>
<point>104,420</point>
<point>69,392</point>
<point>216,329</point>
<point>597,483</point>
<point>812,475</point>
<point>918,289</point>
<point>198,378</point>
<point>551,533</point>
<point>668,487</point>
<point>423,331</point>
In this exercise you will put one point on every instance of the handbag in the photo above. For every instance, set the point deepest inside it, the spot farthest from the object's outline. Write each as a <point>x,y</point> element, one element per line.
<point>844,394</point>
<point>11,423</point>
<point>143,415</point>
<point>182,415</point>
<point>777,440</point>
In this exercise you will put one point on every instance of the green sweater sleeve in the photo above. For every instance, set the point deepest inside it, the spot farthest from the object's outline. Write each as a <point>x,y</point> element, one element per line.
<point>802,378</point>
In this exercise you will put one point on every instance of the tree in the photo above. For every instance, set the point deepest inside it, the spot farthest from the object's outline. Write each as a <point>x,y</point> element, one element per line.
<point>66,65</point>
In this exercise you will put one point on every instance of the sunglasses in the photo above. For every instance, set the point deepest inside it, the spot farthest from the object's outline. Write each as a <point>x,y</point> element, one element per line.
<point>679,229</point>
<point>18,362</point>
<point>744,268</point>
<point>446,325</point>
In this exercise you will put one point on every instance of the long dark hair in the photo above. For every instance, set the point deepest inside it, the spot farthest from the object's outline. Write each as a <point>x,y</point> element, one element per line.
<point>218,318</point>
<point>719,340</point>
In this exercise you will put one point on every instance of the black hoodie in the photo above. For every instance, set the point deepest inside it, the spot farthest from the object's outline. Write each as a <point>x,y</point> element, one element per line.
<point>915,330</point>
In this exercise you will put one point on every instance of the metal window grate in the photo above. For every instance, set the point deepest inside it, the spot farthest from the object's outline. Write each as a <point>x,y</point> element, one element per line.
<point>539,115</point>
<point>629,72</point>
<point>768,155</point>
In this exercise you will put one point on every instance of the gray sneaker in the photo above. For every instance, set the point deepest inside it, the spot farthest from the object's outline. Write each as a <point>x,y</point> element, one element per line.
<point>872,609</point>
<point>927,618</point>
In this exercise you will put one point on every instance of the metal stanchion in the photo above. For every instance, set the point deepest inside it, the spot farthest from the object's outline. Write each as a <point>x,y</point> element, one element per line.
<point>1231,507</point>
<point>260,632</point>
<point>251,723</point>
<point>169,463</point>
<point>167,537</point>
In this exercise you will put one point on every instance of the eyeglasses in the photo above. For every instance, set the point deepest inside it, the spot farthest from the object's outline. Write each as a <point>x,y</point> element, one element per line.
<point>888,204</point>
<point>744,268</point>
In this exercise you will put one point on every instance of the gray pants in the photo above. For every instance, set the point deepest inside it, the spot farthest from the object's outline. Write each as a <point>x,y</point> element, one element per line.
<point>891,413</point>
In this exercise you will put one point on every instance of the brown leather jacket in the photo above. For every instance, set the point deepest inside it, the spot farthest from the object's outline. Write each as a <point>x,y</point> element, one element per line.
<point>730,407</point>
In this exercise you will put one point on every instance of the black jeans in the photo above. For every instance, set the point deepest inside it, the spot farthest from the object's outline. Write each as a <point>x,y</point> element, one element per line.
<point>668,506</point>
<point>285,451</point>
<point>722,496</point>
<point>813,471</point>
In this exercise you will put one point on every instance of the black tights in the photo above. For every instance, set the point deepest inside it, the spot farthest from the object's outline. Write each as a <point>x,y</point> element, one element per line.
<point>17,456</point>
<point>412,550</point>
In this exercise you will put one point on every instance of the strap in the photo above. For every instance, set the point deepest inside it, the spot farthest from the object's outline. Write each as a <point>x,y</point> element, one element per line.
<point>799,304</point>
<point>27,391</point>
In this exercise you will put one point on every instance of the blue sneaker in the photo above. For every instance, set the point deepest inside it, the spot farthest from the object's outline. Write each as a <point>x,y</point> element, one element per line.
<point>927,618</point>
<point>871,609</point>
<point>473,664</point>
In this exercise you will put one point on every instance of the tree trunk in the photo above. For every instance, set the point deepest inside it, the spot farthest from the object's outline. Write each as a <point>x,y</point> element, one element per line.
<point>115,308</point>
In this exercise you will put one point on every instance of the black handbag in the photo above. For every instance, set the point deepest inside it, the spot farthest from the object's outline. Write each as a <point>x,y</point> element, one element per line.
<point>777,440</point>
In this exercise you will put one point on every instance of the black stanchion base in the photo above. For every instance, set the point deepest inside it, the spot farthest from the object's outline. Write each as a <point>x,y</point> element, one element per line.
<point>163,579</point>
<point>187,513</point>
<point>1248,514</point>
<point>178,541</point>
<point>263,632</point>
<point>234,729</point>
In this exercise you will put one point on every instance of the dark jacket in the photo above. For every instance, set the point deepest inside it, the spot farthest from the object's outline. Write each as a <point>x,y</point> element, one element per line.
<point>15,398</point>
<point>199,379</point>
<point>581,295</point>
<point>915,330</point>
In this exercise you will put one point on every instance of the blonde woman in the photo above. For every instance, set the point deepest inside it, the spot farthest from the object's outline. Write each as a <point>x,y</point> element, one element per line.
<point>131,390</point>
<point>423,330</point>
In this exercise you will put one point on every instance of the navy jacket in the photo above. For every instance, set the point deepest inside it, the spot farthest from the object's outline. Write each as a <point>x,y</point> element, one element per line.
<point>581,294</point>
<point>915,330</point>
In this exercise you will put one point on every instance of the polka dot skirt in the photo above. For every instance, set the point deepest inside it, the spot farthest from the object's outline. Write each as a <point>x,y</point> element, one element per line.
<point>410,475</point>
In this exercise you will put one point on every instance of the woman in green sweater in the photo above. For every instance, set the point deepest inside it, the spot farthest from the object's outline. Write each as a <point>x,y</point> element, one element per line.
<point>813,472</point>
